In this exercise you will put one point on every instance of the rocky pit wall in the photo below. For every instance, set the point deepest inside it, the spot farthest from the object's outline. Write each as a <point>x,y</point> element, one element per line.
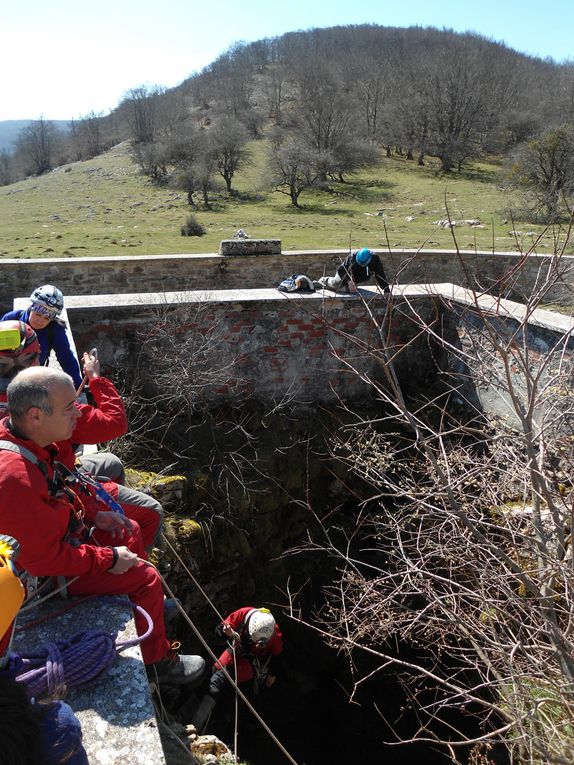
<point>210,271</point>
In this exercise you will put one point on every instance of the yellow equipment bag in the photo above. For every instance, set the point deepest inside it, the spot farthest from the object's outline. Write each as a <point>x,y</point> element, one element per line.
<point>11,588</point>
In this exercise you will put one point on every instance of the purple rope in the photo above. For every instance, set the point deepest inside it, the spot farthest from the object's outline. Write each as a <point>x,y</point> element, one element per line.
<point>74,662</point>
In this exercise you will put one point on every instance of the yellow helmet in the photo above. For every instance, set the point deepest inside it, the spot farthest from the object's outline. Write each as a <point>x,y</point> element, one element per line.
<point>11,588</point>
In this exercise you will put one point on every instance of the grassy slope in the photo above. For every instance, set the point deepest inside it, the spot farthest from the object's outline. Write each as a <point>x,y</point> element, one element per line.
<point>103,207</point>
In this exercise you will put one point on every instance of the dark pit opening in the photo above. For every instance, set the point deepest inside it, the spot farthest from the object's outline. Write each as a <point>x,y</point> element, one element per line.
<point>311,712</point>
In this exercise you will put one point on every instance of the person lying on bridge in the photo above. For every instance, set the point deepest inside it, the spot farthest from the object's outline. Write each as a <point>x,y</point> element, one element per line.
<point>358,267</point>
<point>59,534</point>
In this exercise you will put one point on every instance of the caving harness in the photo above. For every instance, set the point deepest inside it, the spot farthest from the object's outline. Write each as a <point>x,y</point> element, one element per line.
<point>240,645</point>
<point>59,485</point>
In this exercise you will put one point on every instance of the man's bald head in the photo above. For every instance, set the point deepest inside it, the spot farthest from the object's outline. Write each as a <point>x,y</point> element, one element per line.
<point>31,387</point>
<point>42,404</point>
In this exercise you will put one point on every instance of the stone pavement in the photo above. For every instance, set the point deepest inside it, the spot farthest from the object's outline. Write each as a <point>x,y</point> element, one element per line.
<point>116,712</point>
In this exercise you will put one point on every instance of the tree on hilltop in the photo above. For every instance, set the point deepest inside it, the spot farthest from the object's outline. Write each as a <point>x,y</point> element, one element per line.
<point>139,107</point>
<point>87,135</point>
<point>36,146</point>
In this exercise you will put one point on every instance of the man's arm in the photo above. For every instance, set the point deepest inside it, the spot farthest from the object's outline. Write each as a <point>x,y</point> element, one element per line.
<point>106,421</point>
<point>380,276</point>
<point>344,270</point>
<point>65,355</point>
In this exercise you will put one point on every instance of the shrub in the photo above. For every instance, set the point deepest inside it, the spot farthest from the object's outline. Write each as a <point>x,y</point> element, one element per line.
<point>192,227</point>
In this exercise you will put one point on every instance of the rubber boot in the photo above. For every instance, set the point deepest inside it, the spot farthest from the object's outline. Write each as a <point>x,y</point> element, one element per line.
<point>203,713</point>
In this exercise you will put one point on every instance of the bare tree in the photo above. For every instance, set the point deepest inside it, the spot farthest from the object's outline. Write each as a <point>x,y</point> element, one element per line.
<point>545,167</point>
<point>274,92</point>
<point>178,373</point>
<point>293,167</point>
<point>139,107</point>
<point>87,136</point>
<point>228,140</point>
<point>154,160</point>
<point>6,174</point>
<point>461,548</point>
<point>35,146</point>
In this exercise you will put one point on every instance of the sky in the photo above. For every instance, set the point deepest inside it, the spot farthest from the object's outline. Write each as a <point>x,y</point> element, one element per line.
<point>66,58</point>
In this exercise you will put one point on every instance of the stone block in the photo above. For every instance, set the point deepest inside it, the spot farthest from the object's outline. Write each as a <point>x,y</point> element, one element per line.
<point>250,247</point>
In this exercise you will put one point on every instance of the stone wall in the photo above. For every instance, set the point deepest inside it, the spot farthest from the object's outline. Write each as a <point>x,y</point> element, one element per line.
<point>271,344</point>
<point>168,273</point>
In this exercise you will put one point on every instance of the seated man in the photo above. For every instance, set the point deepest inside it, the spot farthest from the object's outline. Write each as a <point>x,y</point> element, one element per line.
<point>105,422</point>
<point>20,349</point>
<point>50,522</point>
<point>357,267</point>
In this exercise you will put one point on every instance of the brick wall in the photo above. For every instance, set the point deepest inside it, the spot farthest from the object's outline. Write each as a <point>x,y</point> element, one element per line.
<point>270,345</point>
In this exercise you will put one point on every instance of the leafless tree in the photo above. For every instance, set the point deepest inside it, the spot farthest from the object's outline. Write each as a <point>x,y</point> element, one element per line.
<point>293,167</point>
<point>139,108</point>
<point>36,145</point>
<point>461,549</point>
<point>228,140</point>
<point>5,168</point>
<point>87,136</point>
<point>153,160</point>
<point>544,166</point>
<point>177,375</point>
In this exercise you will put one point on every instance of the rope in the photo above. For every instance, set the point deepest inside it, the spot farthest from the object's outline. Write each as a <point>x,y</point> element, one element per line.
<point>201,639</point>
<point>73,662</point>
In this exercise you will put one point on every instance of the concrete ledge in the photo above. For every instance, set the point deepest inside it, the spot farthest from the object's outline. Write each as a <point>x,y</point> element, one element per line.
<point>116,713</point>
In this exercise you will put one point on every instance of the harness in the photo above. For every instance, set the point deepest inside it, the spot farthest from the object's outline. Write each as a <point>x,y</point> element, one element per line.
<point>77,531</point>
<point>85,481</point>
<point>23,451</point>
<point>259,663</point>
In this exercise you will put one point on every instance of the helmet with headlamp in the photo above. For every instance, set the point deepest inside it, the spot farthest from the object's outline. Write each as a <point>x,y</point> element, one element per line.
<point>47,300</point>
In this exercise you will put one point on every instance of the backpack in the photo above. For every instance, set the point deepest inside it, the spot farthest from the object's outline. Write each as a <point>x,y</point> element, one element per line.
<point>296,283</point>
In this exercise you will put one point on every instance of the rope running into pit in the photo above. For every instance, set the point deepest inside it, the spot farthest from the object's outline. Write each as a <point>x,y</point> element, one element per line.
<point>239,693</point>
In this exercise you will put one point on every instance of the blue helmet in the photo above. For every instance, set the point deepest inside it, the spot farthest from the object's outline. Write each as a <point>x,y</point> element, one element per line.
<point>363,256</point>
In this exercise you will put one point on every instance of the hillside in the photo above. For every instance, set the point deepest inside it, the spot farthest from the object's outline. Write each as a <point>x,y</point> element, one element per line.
<point>104,207</point>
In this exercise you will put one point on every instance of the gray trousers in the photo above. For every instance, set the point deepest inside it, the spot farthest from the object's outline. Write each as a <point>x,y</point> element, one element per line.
<point>334,283</point>
<point>106,466</point>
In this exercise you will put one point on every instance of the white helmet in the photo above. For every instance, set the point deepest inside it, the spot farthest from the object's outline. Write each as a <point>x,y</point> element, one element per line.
<point>261,626</point>
<point>47,300</point>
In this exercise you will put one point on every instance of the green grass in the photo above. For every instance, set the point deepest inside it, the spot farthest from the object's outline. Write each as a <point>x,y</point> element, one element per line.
<point>104,207</point>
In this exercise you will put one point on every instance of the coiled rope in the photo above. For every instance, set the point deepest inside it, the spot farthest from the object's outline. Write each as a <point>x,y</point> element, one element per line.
<point>73,662</point>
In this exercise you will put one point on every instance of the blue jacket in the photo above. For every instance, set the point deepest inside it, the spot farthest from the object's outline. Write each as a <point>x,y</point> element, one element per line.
<point>53,337</point>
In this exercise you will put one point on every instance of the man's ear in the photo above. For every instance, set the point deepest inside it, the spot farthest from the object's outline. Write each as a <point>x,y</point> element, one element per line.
<point>34,415</point>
